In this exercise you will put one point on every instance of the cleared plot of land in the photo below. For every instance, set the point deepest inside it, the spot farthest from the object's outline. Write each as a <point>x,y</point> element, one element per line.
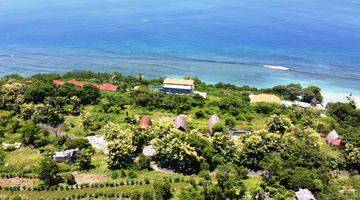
<point>266,98</point>
<point>90,178</point>
<point>20,182</point>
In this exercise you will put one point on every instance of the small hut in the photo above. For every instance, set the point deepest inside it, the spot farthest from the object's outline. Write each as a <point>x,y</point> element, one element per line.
<point>67,155</point>
<point>145,122</point>
<point>304,194</point>
<point>212,121</point>
<point>333,139</point>
<point>238,132</point>
<point>180,123</point>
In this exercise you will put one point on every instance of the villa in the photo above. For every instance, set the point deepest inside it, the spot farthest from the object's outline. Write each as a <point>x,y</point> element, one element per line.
<point>178,86</point>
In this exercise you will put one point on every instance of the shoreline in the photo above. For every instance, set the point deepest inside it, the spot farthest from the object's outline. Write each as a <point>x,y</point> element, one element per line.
<point>329,95</point>
<point>335,87</point>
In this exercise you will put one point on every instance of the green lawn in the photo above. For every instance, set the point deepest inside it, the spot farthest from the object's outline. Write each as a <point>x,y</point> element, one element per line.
<point>23,156</point>
<point>252,183</point>
<point>99,160</point>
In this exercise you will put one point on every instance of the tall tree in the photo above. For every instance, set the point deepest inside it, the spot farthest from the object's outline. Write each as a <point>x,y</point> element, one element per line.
<point>49,172</point>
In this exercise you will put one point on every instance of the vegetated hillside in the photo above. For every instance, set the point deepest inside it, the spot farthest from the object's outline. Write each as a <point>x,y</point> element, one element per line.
<point>285,150</point>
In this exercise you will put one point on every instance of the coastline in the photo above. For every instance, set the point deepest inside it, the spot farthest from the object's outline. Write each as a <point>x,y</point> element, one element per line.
<point>253,74</point>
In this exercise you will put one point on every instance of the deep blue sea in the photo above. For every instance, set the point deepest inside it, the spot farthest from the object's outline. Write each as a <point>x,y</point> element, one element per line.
<point>216,40</point>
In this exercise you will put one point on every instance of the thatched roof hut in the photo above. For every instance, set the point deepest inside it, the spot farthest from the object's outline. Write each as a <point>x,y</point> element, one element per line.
<point>212,121</point>
<point>333,139</point>
<point>180,123</point>
<point>145,122</point>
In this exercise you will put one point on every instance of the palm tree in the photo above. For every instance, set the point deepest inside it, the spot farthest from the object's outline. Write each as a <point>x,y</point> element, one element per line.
<point>140,77</point>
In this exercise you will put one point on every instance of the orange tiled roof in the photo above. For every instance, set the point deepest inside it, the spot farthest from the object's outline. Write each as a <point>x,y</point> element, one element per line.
<point>108,87</point>
<point>76,83</point>
<point>58,83</point>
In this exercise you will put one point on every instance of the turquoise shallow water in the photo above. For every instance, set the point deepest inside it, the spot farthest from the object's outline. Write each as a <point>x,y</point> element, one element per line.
<point>228,41</point>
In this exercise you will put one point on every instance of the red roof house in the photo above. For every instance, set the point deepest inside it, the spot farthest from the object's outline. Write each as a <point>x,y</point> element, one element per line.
<point>58,83</point>
<point>76,83</point>
<point>102,87</point>
<point>108,87</point>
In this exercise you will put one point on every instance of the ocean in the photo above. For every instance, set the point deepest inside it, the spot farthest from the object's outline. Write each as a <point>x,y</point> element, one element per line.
<point>245,42</point>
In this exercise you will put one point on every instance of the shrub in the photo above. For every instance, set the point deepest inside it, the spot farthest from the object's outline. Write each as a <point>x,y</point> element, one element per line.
<point>132,174</point>
<point>218,127</point>
<point>143,162</point>
<point>147,181</point>
<point>162,189</point>
<point>199,114</point>
<point>122,173</point>
<point>135,195</point>
<point>204,174</point>
<point>70,179</point>
<point>114,174</point>
<point>148,195</point>
<point>48,172</point>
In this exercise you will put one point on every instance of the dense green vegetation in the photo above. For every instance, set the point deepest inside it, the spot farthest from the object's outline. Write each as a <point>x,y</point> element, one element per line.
<point>287,144</point>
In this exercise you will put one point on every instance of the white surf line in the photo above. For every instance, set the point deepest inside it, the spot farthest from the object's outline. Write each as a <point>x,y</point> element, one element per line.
<point>276,67</point>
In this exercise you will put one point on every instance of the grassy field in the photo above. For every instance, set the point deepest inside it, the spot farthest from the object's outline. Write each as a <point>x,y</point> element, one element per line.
<point>24,158</point>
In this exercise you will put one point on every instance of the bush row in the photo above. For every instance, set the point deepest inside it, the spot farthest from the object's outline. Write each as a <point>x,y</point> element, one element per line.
<point>136,195</point>
<point>76,186</point>
<point>97,185</point>
<point>19,175</point>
